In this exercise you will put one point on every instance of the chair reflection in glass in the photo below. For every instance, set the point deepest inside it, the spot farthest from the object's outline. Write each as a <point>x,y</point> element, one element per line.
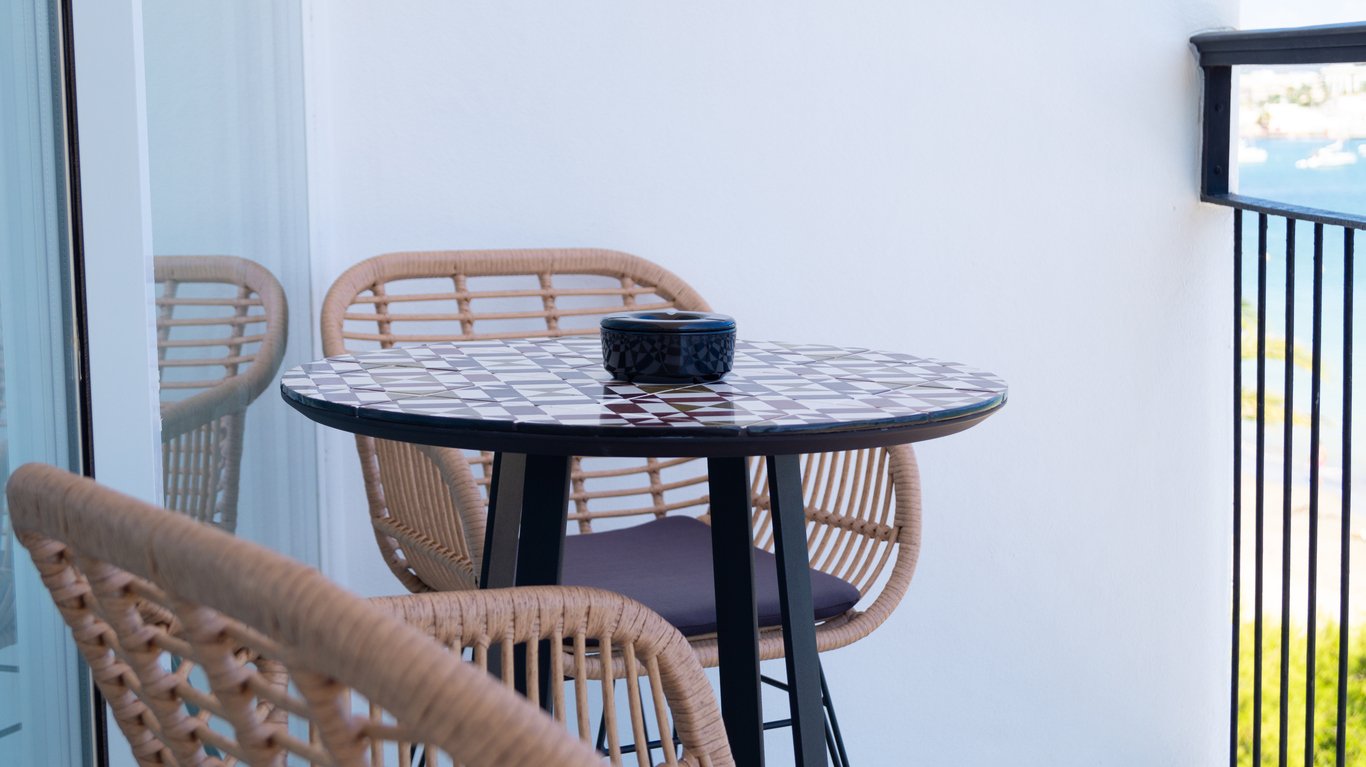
<point>221,333</point>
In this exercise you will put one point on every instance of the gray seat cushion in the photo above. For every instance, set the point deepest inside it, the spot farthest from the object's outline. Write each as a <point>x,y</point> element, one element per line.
<point>666,565</point>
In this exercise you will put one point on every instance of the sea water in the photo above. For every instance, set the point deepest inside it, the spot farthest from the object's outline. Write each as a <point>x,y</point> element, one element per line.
<point>1338,189</point>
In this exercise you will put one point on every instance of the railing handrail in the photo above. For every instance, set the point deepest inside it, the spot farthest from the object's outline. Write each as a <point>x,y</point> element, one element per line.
<point>1325,44</point>
<point>1219,52</point>
<point>1287,210</point>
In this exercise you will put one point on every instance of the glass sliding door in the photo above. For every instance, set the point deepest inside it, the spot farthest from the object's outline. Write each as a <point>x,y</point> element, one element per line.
<point>221,97</point>
<point>229,221</point>
<point>219,93</point>
<point>44,701</point>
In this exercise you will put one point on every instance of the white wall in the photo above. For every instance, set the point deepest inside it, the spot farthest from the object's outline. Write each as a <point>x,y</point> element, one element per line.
<point>1261,14</point>
<point>1006,184</point>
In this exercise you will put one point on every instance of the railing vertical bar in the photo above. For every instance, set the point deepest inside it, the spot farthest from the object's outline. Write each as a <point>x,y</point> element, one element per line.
<point>1344,591</point>
<point>1237,477</point>
<point>1287,485</point>
<point>1259,495</point>
<point>1315,389</point>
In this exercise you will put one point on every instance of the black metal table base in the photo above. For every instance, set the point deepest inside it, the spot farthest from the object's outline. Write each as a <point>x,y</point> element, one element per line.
<point>524,546</point>
<point>524,542</point>
<point>737,615</point>
<point>794,596</point>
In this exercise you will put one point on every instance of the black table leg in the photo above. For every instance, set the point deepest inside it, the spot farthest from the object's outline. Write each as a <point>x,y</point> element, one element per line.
<point>737,616</point>
<point>504,521</point>
<point>794,593</point>
<point>524,539</point>
<point>545,502</point>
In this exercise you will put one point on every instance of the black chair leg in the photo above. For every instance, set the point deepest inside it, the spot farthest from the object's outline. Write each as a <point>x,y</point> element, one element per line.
<point>834,740</point>
<point>602,736</point>
<point>630,748</point>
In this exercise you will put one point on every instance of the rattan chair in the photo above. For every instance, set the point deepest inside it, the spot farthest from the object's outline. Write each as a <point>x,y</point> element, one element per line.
<point>211,649</point>
<point>221,331</point>
<point>427,504</point>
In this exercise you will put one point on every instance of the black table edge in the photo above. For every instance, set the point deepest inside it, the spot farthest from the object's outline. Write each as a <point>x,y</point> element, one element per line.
<point>635,443</point>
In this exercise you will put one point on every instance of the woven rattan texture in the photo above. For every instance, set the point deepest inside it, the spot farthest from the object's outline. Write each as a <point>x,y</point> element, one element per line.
<point>428,504</point>
<point>212,650</point>
<point>221,333</point>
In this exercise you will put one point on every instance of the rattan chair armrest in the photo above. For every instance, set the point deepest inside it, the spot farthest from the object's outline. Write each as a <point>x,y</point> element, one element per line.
<point>233,270</point>
<point>586,622</point>
<point>231,396</point>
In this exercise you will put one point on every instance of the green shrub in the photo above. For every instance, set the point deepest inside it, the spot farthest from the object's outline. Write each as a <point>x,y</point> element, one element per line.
<point>1325,696</point>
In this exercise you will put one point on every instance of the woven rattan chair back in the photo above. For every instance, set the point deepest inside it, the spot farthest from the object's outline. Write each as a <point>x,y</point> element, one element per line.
<point>427,503</point>
<point>854,523</point>
<point>212,650</point>
<point>221,331</point>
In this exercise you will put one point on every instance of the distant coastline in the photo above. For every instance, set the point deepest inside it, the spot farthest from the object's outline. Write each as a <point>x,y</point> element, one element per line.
<point>1322,102</point>
<point>1322,136</point>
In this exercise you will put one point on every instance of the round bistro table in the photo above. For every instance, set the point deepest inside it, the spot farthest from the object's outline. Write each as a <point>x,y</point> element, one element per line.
<point>536,403</point>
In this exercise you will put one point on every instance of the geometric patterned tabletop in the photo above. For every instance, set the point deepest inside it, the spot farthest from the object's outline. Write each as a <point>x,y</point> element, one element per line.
<point>559,384</point>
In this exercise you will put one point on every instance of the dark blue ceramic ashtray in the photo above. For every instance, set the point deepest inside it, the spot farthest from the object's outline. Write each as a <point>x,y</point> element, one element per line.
<point>668,346</point>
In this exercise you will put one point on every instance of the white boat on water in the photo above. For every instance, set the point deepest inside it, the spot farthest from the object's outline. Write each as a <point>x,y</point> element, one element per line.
<point>1250,154</point>
<point>1331,156</point>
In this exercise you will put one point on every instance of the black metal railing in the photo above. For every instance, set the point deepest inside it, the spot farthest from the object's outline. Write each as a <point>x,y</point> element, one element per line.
<point>1218,54</point>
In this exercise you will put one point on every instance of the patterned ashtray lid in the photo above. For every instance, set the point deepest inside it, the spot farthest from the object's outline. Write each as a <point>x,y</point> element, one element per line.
<point>670,321</point>
<point>543,384</point>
